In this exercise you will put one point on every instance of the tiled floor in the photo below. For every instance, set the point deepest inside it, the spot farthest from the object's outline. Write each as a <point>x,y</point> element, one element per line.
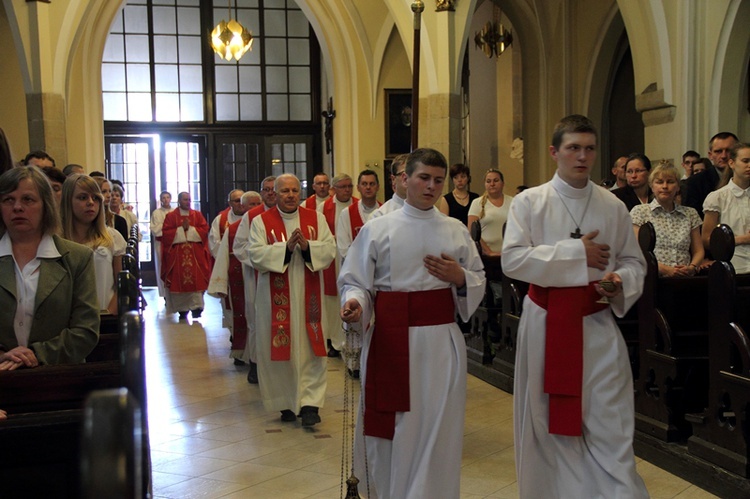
<point>211,437</point>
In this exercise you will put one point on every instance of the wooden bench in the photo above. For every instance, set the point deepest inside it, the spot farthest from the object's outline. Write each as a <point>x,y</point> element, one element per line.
<point>721,433</point>
<point>485,322</point>
<point>41,437</point>
<point>673,349</point>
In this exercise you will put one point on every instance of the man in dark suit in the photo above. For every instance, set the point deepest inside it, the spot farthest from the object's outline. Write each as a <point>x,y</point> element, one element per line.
<point>699,185</point>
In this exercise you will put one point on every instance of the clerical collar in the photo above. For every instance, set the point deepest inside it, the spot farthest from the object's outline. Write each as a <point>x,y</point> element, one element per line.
<point>568,190</point>
<point>417,213</point>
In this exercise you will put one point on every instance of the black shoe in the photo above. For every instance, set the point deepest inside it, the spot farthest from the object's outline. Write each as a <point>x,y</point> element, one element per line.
<point>332,352</point>
<point>239,362</point>
<point>252,375</point>
<point>288,416</point>
<point>309,416</point>
<point>354,373</point>
<point>183,316</point>
<point>197,312</point>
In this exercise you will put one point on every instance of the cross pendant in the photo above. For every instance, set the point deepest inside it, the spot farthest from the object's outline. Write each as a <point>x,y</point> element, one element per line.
<point>577,234</point>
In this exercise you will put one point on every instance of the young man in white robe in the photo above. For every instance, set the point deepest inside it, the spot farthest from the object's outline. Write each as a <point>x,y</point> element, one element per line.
<point>573,391</point>
<point>156,224</point>
<point>289,247</point>
<point>412,269</point>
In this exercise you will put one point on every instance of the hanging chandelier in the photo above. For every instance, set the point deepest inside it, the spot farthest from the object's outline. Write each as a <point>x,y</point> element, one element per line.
<point>231,39</point>
<point>493,38</point>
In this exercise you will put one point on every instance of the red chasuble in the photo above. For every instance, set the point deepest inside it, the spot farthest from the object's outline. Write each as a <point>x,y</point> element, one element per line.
<point>279,288</point>
<point>329,274</point>
<point>186,267</point>
<point>236,298</point>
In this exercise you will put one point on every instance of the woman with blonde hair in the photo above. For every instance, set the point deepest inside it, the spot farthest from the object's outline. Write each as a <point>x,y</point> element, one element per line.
<point>491,210</point>
<point>678,250</point>
<point>82,215</point>
<point>111,219</point>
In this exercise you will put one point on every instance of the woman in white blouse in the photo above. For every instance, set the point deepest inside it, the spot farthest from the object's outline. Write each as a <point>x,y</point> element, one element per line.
<point>82,216</point>
<point>678,249</point>
<point>491,209</point>
<point>730,205</point>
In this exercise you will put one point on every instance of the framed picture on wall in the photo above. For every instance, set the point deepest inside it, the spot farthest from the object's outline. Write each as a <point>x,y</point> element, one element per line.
<point>397,122</point>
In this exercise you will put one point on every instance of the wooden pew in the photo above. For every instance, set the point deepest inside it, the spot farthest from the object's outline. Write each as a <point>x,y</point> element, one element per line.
<point>485,323</point>
<point>504,361</point>
<point>111,446</point>
<point>673,357</point>
<point>721,433</point>
<point>40,448</point>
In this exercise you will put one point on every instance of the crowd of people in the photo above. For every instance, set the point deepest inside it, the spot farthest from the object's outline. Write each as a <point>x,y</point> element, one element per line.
<point>384,285</point>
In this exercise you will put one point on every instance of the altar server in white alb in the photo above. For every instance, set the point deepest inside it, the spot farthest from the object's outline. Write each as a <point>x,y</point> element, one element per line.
<point>413,268</point>
<point>573,392</point>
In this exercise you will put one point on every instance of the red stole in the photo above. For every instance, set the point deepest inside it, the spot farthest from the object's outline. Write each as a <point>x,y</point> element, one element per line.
<point>329,274</point>
<point>387,379</point>
<point>279,289</point>
<point>186,267</point>
<point>355,219</point>
<point>236,298</point>
<point>563,358</point>
<point>311,203</point>
<point>223,222</point>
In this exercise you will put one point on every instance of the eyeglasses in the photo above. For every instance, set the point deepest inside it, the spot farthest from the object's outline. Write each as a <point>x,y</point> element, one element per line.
<point>398,174</point>
<point>635,172</point>
<point>267,189</point>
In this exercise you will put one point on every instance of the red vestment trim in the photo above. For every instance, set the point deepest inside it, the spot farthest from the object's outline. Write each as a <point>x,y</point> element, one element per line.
<point>329,274</point>
<point>311,203</point>
<point>355,219</point>
<point>223,222</point>
<point>387,377</point>
<point>563,359</point>
<point>236,298</point>
<point>279,289</point>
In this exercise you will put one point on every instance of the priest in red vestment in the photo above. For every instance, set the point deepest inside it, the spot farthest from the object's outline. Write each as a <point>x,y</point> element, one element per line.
<point>186,267</point>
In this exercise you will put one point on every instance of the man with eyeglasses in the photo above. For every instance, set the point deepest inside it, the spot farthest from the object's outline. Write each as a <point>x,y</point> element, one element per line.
<point>321,186</point>
<point>698,186</point>
<point>343,187</point>
<point>240,248</point>
<point>289,246</point>
<point>398,184</point>
<point>232,213</point>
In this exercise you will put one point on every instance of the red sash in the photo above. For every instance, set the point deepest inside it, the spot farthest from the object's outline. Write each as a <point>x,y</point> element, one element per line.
<point>236,298</point>
<point>563,362</point>
<point>279,289</point>
<point>329,274</point>
<point>355,219</point>
<point>387,379</point>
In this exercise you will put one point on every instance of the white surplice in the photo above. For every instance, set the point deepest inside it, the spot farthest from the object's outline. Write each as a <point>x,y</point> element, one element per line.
<point>301,380</point>
<point>218,287</point>
<point>395,203</point>
<point>424,457</point>
<point>156,224</point>
<point>538,249</point>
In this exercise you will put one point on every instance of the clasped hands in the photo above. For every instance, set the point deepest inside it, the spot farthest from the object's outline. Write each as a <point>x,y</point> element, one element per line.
<point>597,257</point>
<point>18,357</point>
<point>297,239</point>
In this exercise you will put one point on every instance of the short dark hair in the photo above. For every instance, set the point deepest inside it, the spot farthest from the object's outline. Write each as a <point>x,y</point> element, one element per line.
<point>574,123</point>
<point>690,154</point>
<point>458,169</point>
<point>9,182</point>
<point>96,173</point>
<point>426,156</point>
<point>368,172</point>
<point>68,170</point>
<point>641,157</point>
<point>54,174</point>
<point>737,148</point>
<point>721,136</point>
<point>38,155</point>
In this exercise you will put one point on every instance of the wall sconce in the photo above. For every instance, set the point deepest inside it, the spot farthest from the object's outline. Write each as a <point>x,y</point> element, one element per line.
<point>445,5</point>
<point>231,39</point>
<point>493,39</point>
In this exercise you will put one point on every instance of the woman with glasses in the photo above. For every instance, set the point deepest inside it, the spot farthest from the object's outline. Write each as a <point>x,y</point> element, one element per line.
<point>82,216</point>
<point>47,284</point>
<point>637,191</point>
<point>456,203</point>
<point>491,210</point>
<point>678,250</point>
